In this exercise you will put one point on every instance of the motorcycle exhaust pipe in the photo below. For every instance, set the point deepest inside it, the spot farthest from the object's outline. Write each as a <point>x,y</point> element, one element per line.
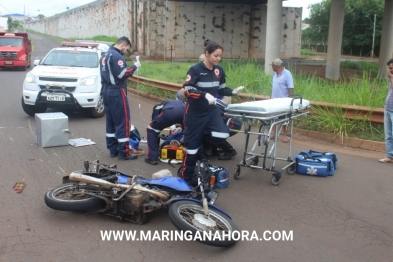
<point>76,177</point>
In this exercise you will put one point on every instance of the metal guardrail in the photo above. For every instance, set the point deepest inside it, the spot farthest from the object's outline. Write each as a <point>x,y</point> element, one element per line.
<point>374,115</point>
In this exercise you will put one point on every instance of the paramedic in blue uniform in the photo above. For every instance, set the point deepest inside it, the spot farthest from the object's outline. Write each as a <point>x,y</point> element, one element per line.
<point>114,74</point>
<point>203,82</point>
<point>232,122</point>
<point>166,114</point>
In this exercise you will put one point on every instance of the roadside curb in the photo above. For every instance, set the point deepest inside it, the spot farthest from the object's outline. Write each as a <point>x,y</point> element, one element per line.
<point>332,138</point>
<point>345,141</point>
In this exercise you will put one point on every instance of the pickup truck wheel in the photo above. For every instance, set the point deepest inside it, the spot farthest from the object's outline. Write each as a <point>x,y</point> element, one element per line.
<point>99,110</point>
<point>32,110</point>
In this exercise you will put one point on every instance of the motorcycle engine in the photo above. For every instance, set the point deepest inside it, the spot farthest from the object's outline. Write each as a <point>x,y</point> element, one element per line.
<point>133,201</point>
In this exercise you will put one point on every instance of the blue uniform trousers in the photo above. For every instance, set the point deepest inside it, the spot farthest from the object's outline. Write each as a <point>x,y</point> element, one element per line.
<point>161,118</point>
<point>117,113</point>
<point>195,124</point>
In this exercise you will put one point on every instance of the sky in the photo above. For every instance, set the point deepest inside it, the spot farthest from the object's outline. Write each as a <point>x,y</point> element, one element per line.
<point>301,3</point>
<point>34,8</point>
<point>50,7</point>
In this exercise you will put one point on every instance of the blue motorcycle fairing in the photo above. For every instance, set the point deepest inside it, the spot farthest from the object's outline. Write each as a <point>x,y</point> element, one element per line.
<point>171,182</point>
<point>173,200</point>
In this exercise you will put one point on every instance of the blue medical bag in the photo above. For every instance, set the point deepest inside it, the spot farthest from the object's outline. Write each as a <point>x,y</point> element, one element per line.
<point>314,165</point>
<point>331,155</point>
<point>221,174</point>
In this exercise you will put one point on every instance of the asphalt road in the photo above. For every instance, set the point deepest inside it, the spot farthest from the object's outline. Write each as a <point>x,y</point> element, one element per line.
<point>347,217</point>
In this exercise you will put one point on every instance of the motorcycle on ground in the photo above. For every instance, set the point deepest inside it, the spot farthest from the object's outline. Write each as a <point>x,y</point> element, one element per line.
<point>108,191</point>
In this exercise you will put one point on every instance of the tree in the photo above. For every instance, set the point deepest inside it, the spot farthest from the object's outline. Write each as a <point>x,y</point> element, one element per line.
<point>13,24</point>
<point>41,16</point>
<point>358,23</point>
<point>319,23</point>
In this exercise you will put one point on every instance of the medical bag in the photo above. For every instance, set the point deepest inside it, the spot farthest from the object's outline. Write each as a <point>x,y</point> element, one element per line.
<point>172,153</point>
<point>221,174</point>
<point>314,164</point>
<point>216,176</point>
<point>331,155</point>
<point>135,138</point>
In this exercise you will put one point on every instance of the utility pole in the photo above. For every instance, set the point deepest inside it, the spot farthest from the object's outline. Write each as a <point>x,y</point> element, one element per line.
<point>372,48</point>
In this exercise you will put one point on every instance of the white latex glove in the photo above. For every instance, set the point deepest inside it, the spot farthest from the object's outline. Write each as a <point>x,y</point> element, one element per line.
<point>211,99</point>
<point>137,64</point>
<point>237,91</point>
<point>177,130</point>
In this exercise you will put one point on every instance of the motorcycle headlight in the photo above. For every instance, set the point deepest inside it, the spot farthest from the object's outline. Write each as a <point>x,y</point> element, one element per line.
<point>212,197</point>
<point>30,78</point>
<point>89,81</point>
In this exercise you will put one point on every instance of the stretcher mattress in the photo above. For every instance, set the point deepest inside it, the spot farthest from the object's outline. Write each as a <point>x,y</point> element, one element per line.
<point>269,106</point>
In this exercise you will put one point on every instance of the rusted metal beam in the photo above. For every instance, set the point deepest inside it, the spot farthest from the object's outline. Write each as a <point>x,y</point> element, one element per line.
<point>375,115</point>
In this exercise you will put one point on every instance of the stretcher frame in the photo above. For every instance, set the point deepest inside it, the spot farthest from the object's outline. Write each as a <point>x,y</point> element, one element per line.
<point>266,122</point>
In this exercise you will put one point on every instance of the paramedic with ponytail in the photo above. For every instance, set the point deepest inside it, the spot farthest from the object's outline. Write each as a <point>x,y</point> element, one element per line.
<point>114,74</point>
<point>204,81</point>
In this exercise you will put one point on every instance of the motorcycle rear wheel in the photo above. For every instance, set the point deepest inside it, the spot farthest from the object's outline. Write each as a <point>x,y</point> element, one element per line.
<point>181,214</point>
<point>61,198</point>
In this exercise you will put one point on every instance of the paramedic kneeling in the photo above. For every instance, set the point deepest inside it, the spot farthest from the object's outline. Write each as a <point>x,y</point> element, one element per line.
<point>204,80</point>
<point>114,74</point>
<point>166,114</point>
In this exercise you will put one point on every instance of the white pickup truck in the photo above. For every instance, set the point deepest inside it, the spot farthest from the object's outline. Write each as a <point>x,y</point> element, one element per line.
<point>67,78</point>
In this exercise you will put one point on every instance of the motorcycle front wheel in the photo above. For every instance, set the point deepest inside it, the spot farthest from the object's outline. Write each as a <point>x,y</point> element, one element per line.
<point>66,198</point>
<point>184,215</point>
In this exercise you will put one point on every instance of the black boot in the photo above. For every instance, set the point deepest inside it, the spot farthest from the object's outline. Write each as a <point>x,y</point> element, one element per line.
<point>229,151</point>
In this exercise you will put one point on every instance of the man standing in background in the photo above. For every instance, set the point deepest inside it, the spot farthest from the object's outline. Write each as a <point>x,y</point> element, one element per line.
<point>282,87</point>
<point>388,117</point>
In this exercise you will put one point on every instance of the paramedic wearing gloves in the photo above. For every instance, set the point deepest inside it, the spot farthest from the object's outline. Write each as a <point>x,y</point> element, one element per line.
<point>282,87</point>
<point>168,113</point>
<point>204,81</point>
<point>231,122</point>
<point>114,74</point>
<point>388,116</point>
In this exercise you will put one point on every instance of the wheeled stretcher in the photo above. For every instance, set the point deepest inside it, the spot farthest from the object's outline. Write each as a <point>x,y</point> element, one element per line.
<point>268,116</point>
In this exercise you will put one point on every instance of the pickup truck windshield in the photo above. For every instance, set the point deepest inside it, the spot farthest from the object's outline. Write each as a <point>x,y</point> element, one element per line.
<point>74,58</point>
<point>9,41</point>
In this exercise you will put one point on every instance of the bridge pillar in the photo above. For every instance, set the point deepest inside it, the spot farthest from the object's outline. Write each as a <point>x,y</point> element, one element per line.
<point>273,34</point>
<point>336,24</point>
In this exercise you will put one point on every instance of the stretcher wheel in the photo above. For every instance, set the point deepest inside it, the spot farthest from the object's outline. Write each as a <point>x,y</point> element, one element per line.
<point>291,169</point>
<point>276,178</point>
<point>266,140</point>
<point>237,172</point>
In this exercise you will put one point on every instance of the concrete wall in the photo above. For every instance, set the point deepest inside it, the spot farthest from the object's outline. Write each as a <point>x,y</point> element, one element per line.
<point>241,29</point>
<point>3,24</point>
<point>102,17</point>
